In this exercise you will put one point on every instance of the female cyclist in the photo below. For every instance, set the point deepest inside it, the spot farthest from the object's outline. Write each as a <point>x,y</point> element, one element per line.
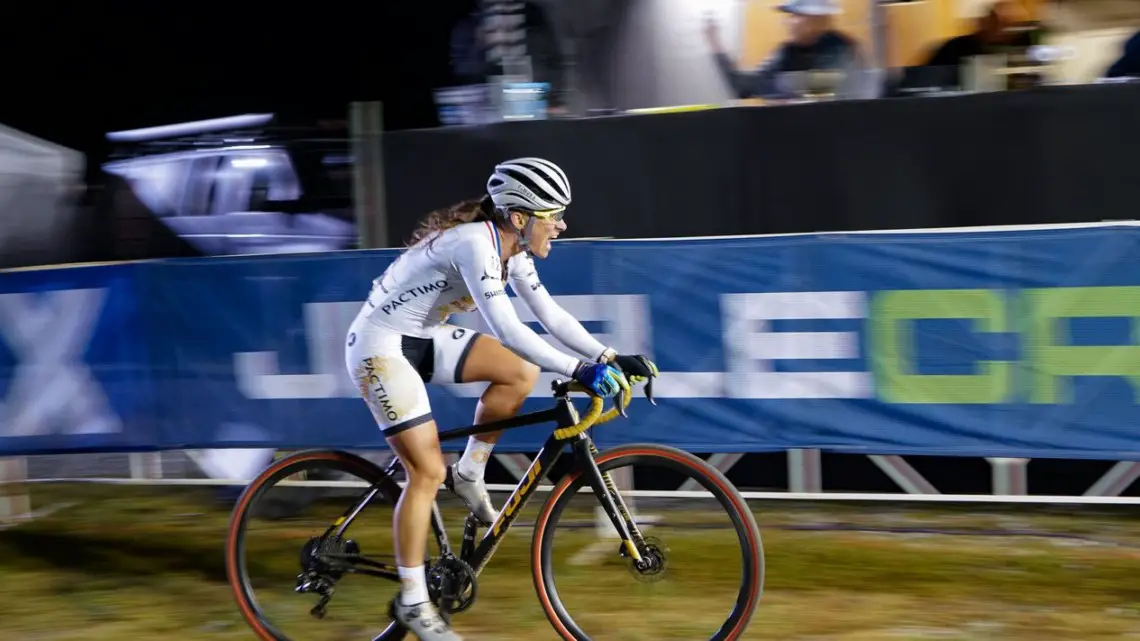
<point>460,260</point>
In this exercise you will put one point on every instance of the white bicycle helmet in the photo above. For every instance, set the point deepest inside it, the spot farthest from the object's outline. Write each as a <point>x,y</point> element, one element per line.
<point>529,184</point>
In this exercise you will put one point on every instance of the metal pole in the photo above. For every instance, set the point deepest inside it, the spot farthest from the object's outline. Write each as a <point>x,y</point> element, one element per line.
<point>880,37</point>
<point>366,124</point>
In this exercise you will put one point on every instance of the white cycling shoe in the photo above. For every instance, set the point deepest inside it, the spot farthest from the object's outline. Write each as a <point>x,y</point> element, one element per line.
<point>423,620</point>
<point>474,494</point>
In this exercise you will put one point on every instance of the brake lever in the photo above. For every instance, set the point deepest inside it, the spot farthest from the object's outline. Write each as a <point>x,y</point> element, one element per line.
<point>621,403</point>
<point>649,390</point>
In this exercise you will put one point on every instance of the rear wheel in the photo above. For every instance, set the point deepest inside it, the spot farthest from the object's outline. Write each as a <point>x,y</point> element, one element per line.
<point>296,563</point>
<point>714,597</point>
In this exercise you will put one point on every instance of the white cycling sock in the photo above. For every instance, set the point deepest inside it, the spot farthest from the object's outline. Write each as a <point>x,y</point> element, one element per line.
<point>474,460</point>
<point>413,585</point>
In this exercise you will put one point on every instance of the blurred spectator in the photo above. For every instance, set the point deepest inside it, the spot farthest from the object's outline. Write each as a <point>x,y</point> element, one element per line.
<point>813,44</point>
<point>1002,27</point>
<point>1128,65</point>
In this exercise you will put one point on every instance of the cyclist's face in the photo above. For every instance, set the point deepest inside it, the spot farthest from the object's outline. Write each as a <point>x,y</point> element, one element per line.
<point>545,230</point>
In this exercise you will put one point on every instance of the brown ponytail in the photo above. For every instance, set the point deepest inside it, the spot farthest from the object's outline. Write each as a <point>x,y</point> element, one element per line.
<point>467,211</point>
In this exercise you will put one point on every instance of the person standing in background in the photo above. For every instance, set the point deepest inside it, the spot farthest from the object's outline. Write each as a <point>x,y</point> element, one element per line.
<point>813,44</point>
<point>1001,26</point>
<point>1128,65</point>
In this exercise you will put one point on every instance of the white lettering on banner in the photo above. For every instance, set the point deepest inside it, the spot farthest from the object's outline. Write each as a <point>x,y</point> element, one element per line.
<point>53,391</point>
<point>326,326</point>
<point>626,318</point>
<point>751,348</point>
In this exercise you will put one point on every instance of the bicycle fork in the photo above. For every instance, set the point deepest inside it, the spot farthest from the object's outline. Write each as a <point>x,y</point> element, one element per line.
<point>610,498</point>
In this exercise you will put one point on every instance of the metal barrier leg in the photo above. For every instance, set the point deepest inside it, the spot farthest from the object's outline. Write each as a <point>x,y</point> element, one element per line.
<point>146,465</point>
<point>1116,480</point>
<point>805,471</point>
<point>15,502</point>
<point>902,473</point>
<point>1010,476</point>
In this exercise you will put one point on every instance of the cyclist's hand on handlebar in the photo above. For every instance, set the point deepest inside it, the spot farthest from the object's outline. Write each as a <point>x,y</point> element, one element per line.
<point>601,379</point>
<point>636,367</point>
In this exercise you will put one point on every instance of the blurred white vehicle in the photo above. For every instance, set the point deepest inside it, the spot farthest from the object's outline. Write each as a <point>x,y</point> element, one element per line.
<point>231,186</point>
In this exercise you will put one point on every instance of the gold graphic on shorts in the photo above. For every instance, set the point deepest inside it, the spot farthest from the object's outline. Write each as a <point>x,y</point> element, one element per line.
<point>369,379</point>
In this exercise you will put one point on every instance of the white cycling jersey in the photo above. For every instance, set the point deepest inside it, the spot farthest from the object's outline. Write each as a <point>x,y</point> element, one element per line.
<point>461,270</point>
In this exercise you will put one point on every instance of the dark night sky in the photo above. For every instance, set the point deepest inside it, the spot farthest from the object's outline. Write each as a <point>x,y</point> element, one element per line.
<point>74,70</point>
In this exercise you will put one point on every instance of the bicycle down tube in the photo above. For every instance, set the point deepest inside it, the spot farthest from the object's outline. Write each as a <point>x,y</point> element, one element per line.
<point>544,461</point>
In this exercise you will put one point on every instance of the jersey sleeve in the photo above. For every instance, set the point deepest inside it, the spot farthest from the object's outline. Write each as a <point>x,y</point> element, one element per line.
<point>556,320</point>
<point>476,261</point>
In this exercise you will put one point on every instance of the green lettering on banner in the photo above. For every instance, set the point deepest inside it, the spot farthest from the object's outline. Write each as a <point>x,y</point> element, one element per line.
<point>892,346</point>
<point>1051,361</point>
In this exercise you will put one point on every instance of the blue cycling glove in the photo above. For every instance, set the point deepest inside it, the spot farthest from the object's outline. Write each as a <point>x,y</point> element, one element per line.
<point>601,379</point>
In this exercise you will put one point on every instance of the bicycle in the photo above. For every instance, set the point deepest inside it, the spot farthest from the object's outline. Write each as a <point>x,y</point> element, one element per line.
<point>453,578</point>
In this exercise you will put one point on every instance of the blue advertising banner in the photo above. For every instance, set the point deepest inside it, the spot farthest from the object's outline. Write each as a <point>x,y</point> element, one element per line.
<point>75,370</point>
<point>1020,343</point>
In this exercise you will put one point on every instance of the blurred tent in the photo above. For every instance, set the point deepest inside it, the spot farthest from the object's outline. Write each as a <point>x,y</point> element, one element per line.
<point>40,186</point>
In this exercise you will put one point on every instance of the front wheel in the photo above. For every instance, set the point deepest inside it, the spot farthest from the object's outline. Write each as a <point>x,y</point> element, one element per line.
<point>707,571</point>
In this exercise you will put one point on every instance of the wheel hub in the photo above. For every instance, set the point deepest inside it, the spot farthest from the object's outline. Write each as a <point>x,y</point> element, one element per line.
<point>654,561</point>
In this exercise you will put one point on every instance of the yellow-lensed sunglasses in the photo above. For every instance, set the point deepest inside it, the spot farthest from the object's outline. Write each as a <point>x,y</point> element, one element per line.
<point>550,214</point>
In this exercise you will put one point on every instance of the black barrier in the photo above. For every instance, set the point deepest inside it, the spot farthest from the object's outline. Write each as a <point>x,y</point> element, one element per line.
<point>1060,154</point>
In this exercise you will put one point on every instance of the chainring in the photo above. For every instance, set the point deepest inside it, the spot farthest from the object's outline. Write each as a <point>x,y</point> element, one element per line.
<point>460,574</point>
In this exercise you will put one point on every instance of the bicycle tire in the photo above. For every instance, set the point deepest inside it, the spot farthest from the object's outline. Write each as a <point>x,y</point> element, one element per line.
<point>235,540</point>
<point>709,477</point>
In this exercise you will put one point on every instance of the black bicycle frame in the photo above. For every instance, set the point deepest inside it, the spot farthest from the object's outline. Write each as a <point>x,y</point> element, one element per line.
<point>563,414</point>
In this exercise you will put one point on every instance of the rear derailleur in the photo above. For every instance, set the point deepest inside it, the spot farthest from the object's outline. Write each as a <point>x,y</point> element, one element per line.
<point>319,573</point>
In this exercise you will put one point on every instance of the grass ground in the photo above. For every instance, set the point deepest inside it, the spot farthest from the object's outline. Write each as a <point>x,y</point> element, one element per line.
<point>134,563</point>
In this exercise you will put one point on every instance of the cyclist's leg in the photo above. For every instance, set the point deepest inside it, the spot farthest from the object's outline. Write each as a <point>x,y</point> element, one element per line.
<point>418,449</point>
<point>511,380</point>
<point>394,391</point>
<point>463,356</point>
